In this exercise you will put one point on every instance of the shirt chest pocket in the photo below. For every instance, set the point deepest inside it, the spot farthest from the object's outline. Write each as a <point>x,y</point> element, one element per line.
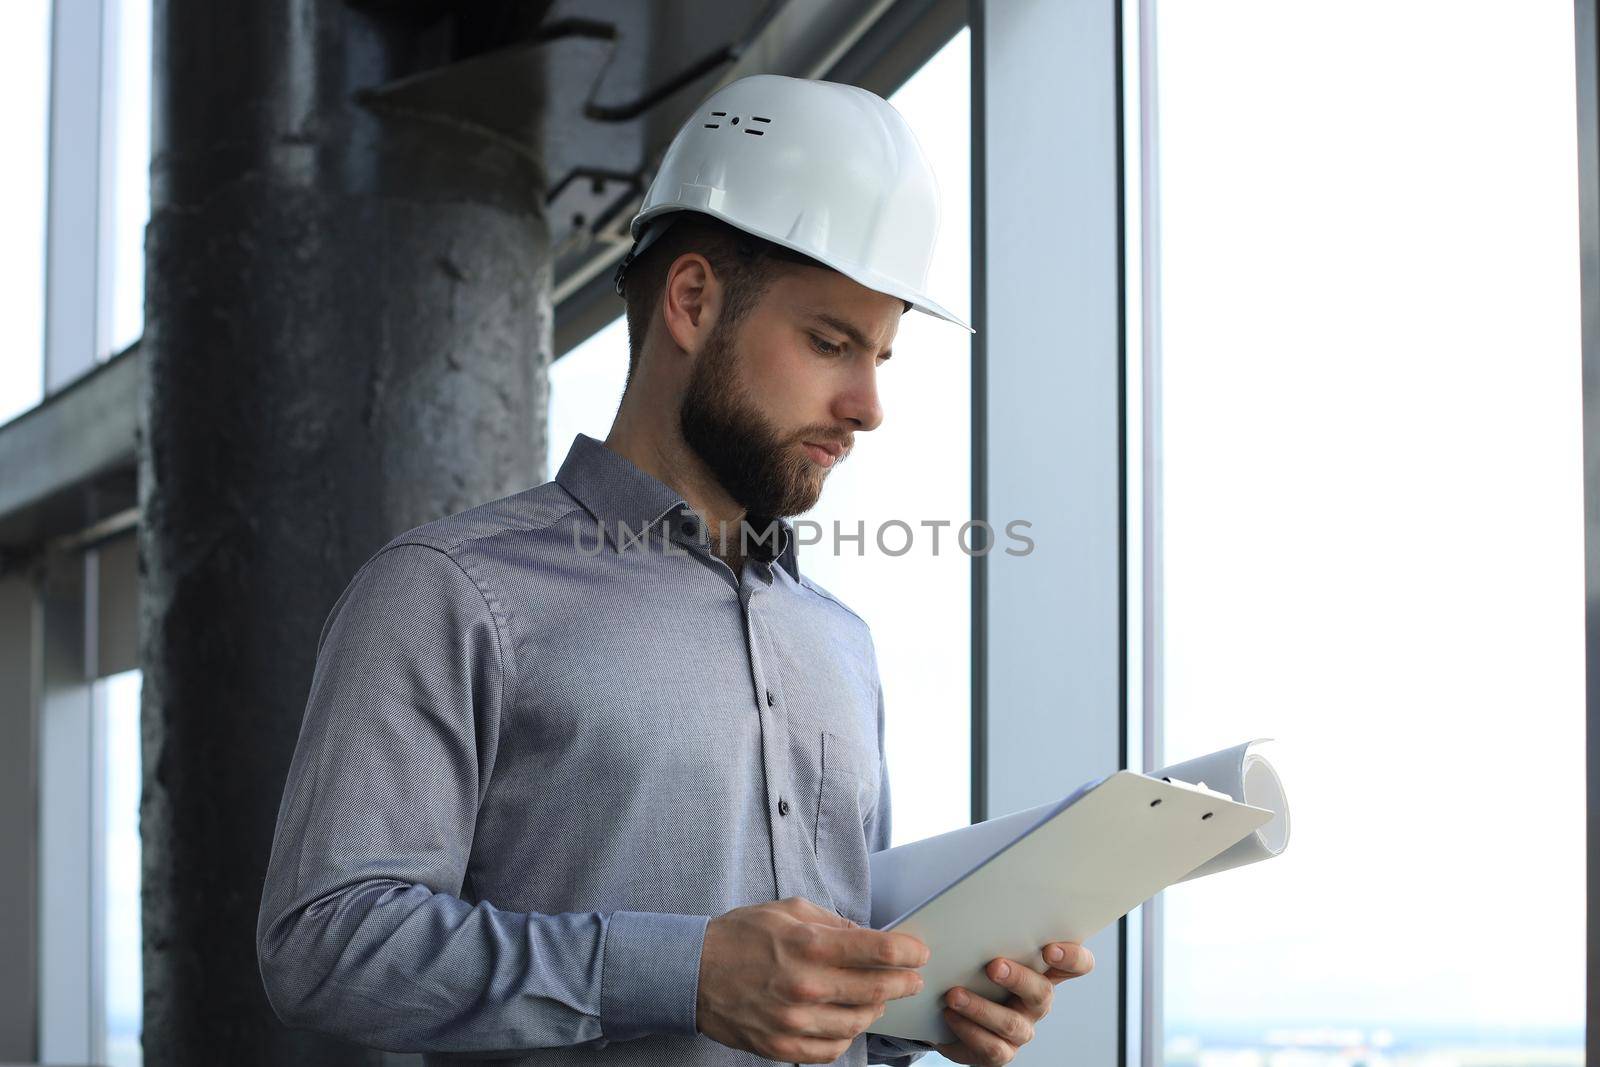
<point>848,794</point>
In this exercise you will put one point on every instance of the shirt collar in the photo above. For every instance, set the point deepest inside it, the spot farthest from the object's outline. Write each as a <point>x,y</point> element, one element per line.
<point>615,492</point>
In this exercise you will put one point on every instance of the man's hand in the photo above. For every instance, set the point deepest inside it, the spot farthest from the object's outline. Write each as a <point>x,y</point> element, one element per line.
<point>989,1033</point>
<point>792,981</point>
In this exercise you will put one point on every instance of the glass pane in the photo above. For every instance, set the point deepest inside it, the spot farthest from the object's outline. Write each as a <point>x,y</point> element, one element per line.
<point>128,139</point>
<point>1373,524</point>
<point>916,469</point>
<point>121,952</point>
<point>25,84</point>
<point>586,387</point>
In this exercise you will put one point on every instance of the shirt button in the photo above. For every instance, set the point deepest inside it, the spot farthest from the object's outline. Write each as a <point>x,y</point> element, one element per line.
<point>783,806</point>
<point>770,700</point>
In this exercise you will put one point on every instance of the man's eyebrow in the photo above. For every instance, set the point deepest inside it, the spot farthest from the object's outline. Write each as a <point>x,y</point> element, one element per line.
<point>835,322</point>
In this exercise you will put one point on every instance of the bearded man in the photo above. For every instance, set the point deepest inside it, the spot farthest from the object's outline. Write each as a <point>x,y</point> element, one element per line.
<point>573,806</point>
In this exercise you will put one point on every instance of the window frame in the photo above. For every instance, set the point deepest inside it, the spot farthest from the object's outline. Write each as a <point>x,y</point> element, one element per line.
<point>1587,46</point>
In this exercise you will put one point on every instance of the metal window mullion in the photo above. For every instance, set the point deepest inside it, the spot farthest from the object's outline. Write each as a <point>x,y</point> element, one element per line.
<point>73,232</point>
<point>65,828</point>
<point>1152,1040</point>
<point>1587,27</point>
<point>979,416</point>
<point>107,135</point>
<point>1050,441</point>
<point>95,863</point>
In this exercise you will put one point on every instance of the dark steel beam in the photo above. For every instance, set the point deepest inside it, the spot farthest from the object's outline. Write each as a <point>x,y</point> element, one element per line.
<point>69,462</point>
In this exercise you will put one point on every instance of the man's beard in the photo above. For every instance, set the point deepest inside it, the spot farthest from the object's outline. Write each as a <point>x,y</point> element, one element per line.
<point>767,475</point>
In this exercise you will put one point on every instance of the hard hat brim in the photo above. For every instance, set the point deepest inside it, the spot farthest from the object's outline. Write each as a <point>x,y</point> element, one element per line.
<point>854,271</point>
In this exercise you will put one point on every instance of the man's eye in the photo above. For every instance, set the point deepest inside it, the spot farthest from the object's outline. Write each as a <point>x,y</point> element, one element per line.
<point>825,347</point>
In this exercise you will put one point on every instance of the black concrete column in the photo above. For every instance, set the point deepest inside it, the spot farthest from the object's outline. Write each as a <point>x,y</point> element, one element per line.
<point>347,333</point>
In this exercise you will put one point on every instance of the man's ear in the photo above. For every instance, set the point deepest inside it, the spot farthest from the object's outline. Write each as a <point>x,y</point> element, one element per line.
<point>691,301</point>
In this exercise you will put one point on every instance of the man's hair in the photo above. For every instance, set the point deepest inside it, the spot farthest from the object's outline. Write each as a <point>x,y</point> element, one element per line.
<point>744,263</point>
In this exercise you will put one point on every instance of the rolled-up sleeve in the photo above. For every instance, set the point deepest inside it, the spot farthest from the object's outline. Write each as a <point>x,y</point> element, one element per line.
<point>363,932</point>
<point>881,1048</point>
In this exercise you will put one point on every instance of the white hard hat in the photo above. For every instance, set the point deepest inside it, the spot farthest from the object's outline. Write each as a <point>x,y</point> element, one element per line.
<point>829,170</point>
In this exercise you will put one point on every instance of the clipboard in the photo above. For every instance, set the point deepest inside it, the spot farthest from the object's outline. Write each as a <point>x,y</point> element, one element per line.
<point>1059,872</point>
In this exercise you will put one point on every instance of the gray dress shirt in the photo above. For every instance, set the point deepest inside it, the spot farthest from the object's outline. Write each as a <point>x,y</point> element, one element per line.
<point>547,739</point>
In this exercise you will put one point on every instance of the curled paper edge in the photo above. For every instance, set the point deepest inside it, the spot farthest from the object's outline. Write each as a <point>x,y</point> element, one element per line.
<point>1246,776</point>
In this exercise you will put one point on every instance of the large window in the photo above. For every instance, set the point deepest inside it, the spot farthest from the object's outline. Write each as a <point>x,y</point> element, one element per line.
<point>915,468</point>
<point>88,789</point>
<point>1373,528</point>
<point>80,154</point>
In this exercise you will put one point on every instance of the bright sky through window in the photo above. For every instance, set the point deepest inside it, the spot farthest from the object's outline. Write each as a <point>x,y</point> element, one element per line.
<point>1373,513</point>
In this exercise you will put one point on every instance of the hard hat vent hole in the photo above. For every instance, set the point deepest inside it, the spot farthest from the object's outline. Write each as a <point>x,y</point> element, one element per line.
<point>734,121</point>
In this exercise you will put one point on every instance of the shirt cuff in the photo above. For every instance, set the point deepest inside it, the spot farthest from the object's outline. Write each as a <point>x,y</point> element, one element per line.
<point>650,973</point>
<point>896,1051</point>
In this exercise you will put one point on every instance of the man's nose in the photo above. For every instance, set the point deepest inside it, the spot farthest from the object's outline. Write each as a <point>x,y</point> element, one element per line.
<point>859,402</point>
